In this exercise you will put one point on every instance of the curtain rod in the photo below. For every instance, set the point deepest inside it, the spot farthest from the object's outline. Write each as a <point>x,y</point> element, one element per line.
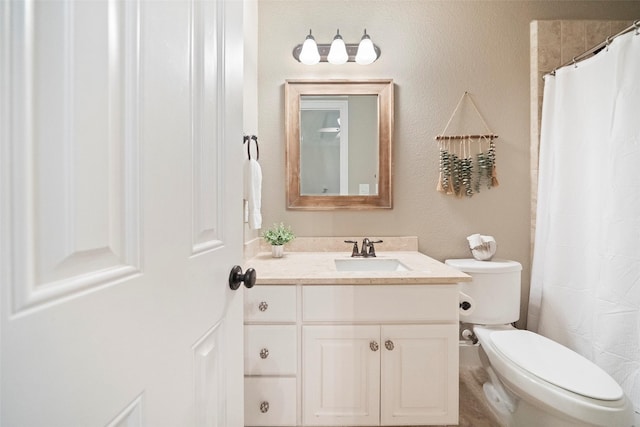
<point>597,48</point>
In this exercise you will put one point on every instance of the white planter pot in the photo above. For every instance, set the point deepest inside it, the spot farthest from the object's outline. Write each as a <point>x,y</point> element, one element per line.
<point>277,251</point>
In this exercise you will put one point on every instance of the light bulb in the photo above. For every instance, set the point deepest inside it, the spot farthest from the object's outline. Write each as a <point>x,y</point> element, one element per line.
<point>309,54</point>
<point>366,53</point>
<point>338,51</point>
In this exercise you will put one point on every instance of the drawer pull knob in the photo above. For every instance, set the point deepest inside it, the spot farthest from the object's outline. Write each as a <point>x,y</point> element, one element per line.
<point>263,306</point>
<point>264,353</point>
<point>264,407</point>
<point>389,345</point>
<point>374,346</point>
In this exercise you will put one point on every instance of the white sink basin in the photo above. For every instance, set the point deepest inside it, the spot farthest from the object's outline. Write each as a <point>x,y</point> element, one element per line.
<point>370,264</point>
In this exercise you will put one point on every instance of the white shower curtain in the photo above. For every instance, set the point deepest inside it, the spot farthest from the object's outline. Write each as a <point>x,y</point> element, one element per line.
<point>585,284</point>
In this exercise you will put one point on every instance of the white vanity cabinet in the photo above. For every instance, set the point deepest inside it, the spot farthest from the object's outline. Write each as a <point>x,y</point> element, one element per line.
<point>271,356</point>
<point>379,375</point>
<point>341,375</point>
<point>380,355</point>
<point>419,374</point>
<point>366,355</point>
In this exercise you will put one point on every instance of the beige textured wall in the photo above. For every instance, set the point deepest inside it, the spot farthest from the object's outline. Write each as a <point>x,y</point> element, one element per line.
<point>434,51</point>
<point>250,86</point>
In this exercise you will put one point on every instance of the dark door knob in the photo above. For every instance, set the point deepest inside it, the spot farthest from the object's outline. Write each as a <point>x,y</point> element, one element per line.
<point>236,277</point>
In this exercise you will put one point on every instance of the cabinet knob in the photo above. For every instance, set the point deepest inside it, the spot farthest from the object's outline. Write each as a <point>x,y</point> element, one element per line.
<point>263,306</point>
<point>374,346</point>
<point>389,345</point>
<point>264,407</point>
<point>264,353</point>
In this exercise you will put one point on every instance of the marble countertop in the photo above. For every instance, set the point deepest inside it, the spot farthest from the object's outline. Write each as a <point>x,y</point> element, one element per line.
<point>318,268</point>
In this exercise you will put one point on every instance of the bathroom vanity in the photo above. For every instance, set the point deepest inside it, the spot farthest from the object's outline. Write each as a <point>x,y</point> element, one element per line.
<point>334,340</point>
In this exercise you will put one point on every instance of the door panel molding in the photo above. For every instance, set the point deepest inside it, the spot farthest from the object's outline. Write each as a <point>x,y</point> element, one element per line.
<point>209,378</point>
<point>72,119</point>
<point>131,415</point>
<point>207,102</point>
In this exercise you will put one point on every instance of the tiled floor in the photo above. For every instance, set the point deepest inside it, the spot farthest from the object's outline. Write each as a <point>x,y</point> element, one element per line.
<point>474,411</point>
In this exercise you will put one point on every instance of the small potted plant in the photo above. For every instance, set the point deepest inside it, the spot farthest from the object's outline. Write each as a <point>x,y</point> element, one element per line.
<point>277,236</point>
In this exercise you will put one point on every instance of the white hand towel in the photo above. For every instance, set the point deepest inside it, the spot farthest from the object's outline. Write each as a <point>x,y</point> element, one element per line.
<point>474,241</point>
<point>490,242</point>
<point>253,192</point>
<point>482,247</point>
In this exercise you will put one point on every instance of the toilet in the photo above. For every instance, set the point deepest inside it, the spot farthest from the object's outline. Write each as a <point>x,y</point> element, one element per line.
<point>533,381</point>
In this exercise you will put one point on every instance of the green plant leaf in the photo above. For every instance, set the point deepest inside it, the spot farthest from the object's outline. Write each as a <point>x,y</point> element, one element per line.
<point>278,234</point>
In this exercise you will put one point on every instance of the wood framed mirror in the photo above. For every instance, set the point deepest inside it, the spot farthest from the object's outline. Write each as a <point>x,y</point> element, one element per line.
<point>339,144</point>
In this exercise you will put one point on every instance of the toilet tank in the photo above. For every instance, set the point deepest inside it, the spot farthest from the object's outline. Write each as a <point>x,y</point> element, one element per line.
<point>494,290</point>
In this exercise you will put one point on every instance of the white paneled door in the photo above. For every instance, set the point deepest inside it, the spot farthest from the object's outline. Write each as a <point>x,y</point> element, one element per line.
<point>120,142</point>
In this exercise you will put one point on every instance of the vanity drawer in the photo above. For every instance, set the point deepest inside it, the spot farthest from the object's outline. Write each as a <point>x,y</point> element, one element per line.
<point>380,303</point>
<point>270,304</point>
<point>270,350</point>
<point>270,401</point>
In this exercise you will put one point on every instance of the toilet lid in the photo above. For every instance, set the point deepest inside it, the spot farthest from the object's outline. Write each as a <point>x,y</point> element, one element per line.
<point>470,265</point>
<point>556,364</point>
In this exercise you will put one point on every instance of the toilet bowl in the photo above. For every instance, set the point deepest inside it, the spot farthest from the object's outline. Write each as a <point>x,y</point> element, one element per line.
<point>538,382</point>
<point>533,381</point>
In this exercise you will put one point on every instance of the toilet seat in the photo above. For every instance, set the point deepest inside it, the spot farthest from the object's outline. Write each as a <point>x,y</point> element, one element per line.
<point>539,391</point>
<point>556,364</point>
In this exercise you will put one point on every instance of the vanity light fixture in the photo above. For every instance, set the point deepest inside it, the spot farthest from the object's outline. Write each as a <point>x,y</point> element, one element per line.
<point>338,52</point>
<point>366,51</point>
<point>309,52</point>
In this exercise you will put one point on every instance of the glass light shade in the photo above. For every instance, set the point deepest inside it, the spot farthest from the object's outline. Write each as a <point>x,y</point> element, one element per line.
<point>366,53</point>
<point>309,54</point>
<point>338,51</point>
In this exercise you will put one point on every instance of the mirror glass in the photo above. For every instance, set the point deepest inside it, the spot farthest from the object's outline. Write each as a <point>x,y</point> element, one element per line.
<point>339,144</point>
<point>335,157</point>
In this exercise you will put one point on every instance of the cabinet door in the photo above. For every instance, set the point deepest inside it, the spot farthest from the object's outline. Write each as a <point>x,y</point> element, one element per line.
<point>341,375</point>
<point>419,371</point>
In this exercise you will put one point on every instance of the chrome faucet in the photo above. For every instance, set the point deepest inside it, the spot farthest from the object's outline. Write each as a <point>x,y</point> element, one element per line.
<point>372,249</point>
<point>367,248</point>
<point>354,251</point>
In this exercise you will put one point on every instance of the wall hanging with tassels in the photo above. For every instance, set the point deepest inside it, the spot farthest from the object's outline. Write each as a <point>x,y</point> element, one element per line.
<point>459,174</point>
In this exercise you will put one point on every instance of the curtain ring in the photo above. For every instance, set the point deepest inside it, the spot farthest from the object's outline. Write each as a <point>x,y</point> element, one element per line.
<point>575,64</point>
<point>636,25</point>
<point>608,43</point>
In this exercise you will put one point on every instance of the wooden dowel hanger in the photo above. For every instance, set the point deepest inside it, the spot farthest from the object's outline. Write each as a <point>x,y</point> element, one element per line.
<point>479,137</point>
<point>459,137</point>
<point>466,167</point>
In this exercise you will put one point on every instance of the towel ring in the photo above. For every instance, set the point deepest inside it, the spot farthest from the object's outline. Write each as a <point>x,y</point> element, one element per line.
<point>247,140</point>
